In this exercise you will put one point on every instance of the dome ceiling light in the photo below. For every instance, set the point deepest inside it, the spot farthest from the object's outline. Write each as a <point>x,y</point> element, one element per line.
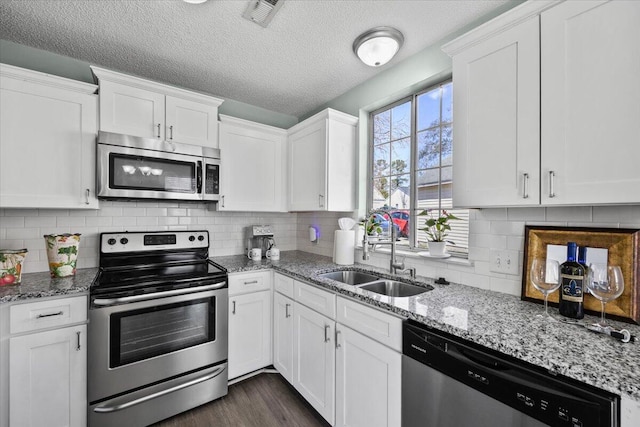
<point>378,46</point>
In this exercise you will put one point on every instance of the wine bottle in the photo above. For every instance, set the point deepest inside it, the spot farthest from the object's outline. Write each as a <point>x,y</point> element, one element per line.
<point>582,256</point>
<point>572,275</point>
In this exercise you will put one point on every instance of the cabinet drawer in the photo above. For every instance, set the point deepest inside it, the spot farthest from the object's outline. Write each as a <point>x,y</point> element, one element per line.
<point>242,283</point>
<point>382,327</point>
<point>34,316</point>
<point>283,284</point>
<point>321,301</point>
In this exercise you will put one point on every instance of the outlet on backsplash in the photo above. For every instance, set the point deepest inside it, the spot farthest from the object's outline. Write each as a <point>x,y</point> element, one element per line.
<point>503,261</point>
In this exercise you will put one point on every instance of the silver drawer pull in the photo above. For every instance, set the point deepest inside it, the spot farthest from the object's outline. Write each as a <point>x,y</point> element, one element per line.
<point>337,343</point>
<point>525,186</point>
<point>286,310</point>
<point>252,282</point>
<point>552,187</point>
<point>233,311</point>
<point>78,346</point>
<point>326,332</point>
<point>40,316</point>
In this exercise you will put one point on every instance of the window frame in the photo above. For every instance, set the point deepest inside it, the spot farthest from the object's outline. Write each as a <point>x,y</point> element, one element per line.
<point>413,221</point>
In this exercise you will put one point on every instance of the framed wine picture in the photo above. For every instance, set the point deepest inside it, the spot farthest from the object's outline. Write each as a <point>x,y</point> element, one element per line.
<point>614,246</point>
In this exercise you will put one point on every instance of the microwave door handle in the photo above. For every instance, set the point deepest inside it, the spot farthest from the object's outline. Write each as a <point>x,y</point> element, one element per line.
<point>199,177</point>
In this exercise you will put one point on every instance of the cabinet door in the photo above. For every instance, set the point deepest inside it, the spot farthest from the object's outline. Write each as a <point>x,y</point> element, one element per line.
<point>131,111</point>
<point>48,382</point>
<point>368,381</point>
<point>314,362</point>
<point>307,168</point>
<point>259,185</point>
<point>590,102</point>
<point>191,122</point>
<point>249,333</point>
<point>496,120</point>
<point>283,335</point>
<point>47,146</point>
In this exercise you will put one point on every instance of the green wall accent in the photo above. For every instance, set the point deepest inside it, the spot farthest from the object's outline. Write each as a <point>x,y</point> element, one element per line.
<point>63,66</point>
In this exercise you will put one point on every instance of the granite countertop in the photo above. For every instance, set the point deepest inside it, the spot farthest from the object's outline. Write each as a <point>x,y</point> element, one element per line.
<point>498,321</point>
<point>40,285</point>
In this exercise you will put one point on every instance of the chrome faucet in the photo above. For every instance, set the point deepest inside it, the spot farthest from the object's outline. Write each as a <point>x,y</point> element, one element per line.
<point>394,264</point>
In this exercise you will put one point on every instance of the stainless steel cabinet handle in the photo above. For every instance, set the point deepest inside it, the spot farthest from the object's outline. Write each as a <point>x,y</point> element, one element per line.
<point>233,311</point>
<point>158,130</point>
<point>40,316</point>
<point>171,132</point>
<point>223,201</point>
<point>125,405</point>
<point>286,311</point>
<point>552,184</point>
<point>321,200</point>
<point>252,282</point>
<point>326,333</point>
<point>78,346</point>
<point>86,196</point>
<point>525,186</point>
<point>337,343</point>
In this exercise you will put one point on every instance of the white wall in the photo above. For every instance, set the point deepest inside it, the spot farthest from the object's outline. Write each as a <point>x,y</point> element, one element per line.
<point>24,228</point>
<point>504,229</point>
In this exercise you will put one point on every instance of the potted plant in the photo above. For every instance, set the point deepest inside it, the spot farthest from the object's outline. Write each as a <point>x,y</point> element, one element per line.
<point>437,228</point>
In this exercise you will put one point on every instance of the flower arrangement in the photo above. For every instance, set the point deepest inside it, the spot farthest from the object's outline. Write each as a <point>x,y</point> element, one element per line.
<point>438,227</point>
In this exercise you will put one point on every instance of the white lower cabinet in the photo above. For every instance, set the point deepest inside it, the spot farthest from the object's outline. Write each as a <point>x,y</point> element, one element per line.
<point>368,381</point>
<point>48,378</point>
<point>314,359</point>
<point>249,333</point>
<point>47,369</point>
<point>249,322</point>
<point>283,335</point>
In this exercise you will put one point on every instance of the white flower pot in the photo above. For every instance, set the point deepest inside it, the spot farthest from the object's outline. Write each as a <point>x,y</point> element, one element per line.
<point>437,248</point>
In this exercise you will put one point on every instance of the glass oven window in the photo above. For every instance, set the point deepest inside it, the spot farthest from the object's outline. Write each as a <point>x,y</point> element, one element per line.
<point>146,173</point>
<point>141,334</point>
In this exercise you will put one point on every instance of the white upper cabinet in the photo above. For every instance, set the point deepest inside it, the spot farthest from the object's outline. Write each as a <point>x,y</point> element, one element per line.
<point>544,97</point>
<point>497,126</point>
<point>591,103</point>
<point>253,177</point>
<point>133,106</point>
<point>322,163</point>
<point>48,129</point>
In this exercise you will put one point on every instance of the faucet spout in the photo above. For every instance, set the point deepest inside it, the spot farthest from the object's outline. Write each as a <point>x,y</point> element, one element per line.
<point>394,264</point>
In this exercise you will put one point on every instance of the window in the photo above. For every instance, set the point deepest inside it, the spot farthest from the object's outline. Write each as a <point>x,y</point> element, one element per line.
<point>412,163</point>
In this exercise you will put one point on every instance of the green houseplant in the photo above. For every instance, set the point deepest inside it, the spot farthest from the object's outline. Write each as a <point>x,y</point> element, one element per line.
<point>437,228</point>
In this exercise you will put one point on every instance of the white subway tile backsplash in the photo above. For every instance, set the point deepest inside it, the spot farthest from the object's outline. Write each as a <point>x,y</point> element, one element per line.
<point>570,213</point>
<point>526,214</point>
<point>13,222</point>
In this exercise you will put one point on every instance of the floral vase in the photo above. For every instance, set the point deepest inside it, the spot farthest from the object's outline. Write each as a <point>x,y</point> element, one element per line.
<point>62,252</point>
<point>437,248</point>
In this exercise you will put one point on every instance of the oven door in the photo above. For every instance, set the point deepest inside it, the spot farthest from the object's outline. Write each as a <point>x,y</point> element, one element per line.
<point>144,341</point>
<point>128,172</point>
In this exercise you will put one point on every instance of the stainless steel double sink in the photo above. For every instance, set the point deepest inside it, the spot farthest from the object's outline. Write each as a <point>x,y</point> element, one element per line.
<point>376,284</point>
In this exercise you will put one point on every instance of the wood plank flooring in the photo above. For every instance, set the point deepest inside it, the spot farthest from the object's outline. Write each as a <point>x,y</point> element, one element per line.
<point>266,400</point>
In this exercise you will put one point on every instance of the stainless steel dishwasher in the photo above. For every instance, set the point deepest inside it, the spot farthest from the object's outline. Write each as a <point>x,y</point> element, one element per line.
<point>450,382</point>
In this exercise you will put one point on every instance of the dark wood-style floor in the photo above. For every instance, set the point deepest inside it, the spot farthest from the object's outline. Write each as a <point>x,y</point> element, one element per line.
<point>266,400</point>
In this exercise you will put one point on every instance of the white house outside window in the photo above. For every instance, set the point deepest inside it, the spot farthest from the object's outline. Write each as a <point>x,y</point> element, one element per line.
<point>411,165</point>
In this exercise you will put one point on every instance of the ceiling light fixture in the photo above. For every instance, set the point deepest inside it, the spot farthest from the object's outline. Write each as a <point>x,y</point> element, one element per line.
<point>378,46</point>
<point>194,1</point>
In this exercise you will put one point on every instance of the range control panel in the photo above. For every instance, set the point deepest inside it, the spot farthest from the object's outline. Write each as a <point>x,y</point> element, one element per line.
<point>149,241</point>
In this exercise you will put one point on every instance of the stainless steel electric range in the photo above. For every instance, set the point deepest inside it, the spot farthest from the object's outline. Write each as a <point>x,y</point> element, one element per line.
<point>157,328</point>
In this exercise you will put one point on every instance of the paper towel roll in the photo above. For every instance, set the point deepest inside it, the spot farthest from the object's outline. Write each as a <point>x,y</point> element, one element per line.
<point>343,247</point>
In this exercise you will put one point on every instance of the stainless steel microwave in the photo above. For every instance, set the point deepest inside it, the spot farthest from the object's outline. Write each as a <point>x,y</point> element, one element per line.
<point>130,167</point>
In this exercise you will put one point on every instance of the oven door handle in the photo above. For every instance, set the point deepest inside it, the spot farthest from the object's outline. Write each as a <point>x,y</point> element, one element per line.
<point>156,295</point>
<point>125,405</point>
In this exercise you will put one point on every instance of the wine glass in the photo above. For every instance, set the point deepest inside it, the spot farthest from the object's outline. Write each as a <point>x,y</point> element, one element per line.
<point>545,276</point>
<point>605,283</point>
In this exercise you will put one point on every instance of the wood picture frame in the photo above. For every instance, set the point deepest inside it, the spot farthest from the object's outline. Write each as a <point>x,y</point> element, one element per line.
<point>623,247</point>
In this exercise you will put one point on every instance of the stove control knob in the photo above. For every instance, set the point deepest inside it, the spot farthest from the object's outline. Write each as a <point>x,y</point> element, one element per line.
<point>192,238</point>
<point>124,240</point>
<point>200,238</point>
<point>111,241</point>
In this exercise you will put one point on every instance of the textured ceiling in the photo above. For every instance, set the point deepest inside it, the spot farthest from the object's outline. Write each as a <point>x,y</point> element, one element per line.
<point>301,61</point>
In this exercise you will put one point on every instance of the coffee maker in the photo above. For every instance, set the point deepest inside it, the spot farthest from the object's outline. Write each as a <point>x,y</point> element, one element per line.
<point>260,236</point>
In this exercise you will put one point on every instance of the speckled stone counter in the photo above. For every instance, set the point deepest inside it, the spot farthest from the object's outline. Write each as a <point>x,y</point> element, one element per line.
<point>498,321</point>
<point>40,285</point>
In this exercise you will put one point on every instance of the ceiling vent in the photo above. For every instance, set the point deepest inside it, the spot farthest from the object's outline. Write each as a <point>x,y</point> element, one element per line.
<point>262,11</point>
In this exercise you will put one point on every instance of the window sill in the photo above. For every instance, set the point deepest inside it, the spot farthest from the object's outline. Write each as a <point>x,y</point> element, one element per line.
<point>411,254</point>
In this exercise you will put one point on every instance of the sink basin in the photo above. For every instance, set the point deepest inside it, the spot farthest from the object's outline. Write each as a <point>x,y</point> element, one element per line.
<point>393,288</point>
<point>349,277</point>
